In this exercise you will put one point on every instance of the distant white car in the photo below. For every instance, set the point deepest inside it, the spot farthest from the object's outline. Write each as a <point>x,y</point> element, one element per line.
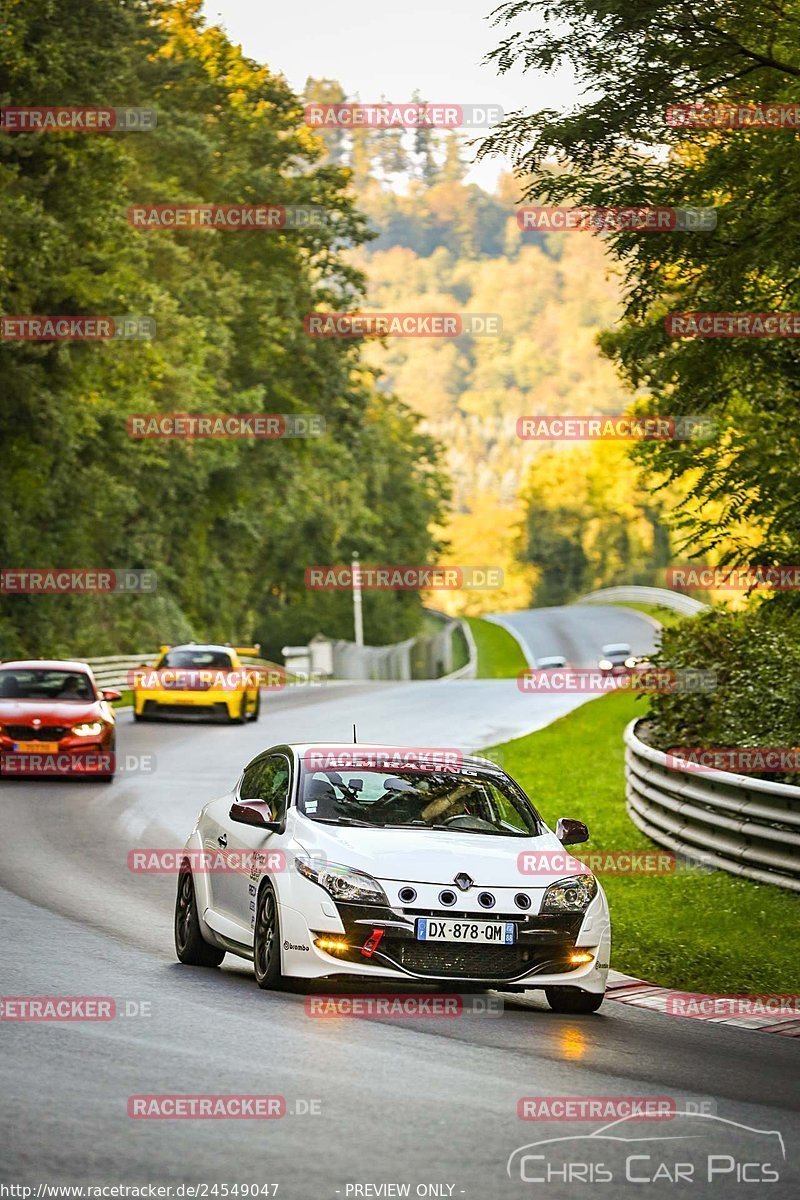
<point>357,862</point>
<point>616,657</point>
<point>553,662</point>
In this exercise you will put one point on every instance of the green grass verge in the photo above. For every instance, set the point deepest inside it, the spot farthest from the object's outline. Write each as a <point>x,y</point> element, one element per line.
<point>706,932</point>
<point>665,616</point>
<point>499,654</point>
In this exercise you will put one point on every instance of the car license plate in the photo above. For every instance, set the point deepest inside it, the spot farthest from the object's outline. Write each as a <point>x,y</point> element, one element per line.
<point>492,933</point>
<point>36,747</point>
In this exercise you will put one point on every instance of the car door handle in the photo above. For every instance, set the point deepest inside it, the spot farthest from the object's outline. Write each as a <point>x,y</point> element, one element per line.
<point>223,839</point>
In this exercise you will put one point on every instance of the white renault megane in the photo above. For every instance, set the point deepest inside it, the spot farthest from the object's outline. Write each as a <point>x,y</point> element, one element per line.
<point>391,864</point>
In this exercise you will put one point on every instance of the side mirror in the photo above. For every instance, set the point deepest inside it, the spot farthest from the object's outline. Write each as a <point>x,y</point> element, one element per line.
<point>111,694</point>
<point>256,813</point>
<point>570,832</point>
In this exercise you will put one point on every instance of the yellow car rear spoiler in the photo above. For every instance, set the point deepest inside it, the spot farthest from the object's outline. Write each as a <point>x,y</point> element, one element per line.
<point>251,650</point>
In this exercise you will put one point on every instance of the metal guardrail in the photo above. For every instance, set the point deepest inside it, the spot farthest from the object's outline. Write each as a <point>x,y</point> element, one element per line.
<point>736,823</point>
<point>427,656</point>
<point>646,595</point>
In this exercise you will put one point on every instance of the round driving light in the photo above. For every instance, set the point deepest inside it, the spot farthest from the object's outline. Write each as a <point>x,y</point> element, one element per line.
<point>522,900</point>
<point>447,897</point>
<point>486,900</point>
<point>407,895</point>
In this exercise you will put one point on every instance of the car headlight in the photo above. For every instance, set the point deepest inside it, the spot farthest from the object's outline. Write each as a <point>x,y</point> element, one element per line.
<point>90,729</point>
<point>605,664</point>
<point>630,663</point>
<point>343,883</point>
<point>570,895</point>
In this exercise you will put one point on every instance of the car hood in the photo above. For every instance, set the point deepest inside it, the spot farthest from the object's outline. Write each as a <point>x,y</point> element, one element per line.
<point>434,856</point>
<point>49,712</point>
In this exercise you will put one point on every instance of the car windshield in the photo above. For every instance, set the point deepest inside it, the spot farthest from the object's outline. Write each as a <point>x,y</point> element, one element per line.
<point>42,684</point>
<point>459,801</point>
<point>197,659</point>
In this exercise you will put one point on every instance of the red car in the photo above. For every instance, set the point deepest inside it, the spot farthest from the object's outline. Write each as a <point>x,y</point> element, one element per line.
<point>54,722</point>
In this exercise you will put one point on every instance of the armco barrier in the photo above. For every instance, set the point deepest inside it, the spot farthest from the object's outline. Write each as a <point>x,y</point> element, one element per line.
<point>646,595</point>
<point>735,823</point>
<point>427,656</point>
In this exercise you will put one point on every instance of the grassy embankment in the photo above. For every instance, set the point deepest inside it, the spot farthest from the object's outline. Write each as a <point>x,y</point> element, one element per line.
<point>702,931</point>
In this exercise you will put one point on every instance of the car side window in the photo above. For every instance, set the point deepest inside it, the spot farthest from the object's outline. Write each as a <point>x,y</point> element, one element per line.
<point>267,779</point>
<point>248,789</point>
<point>275,785</point>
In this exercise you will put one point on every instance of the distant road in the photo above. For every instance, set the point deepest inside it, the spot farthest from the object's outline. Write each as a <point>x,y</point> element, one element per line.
<point>578,632</point>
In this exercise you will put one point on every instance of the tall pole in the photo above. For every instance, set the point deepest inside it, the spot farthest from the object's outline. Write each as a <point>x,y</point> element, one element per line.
<point>358,617</point>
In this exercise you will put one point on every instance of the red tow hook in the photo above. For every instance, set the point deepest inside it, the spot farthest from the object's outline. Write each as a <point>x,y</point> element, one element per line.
<point>372,943</point>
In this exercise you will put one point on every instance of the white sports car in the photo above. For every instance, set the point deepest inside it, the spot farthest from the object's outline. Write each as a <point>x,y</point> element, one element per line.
<point>327,862</point>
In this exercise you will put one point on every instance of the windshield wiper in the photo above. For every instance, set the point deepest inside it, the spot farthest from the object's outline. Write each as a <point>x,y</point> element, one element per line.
<point>344,821</point>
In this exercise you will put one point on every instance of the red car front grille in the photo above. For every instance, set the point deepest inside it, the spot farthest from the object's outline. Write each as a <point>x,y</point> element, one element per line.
<point>39,733</point>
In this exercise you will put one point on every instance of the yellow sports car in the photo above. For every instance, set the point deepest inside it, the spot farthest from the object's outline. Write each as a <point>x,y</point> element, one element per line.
<point>210,679</point>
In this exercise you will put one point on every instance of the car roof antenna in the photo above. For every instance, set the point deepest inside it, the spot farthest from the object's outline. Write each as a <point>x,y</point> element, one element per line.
<point>355,739</point>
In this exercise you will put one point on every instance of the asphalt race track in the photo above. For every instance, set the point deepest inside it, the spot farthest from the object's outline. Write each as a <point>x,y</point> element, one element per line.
<point>427,1102</point>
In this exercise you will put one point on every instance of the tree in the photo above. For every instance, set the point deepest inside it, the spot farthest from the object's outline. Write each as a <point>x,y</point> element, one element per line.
<point>632,62</point>
<point>227,526</point>
<point>328,91</point>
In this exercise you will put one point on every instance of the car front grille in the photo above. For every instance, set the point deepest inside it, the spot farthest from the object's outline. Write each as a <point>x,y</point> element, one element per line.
<point>42,733</point>
<point>474,962</point>
<point>157,708</point>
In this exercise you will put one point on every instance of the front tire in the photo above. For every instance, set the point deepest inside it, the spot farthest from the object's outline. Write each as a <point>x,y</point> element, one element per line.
<point>190,946</point>
<point>266,941</point>
<point>256,713</point>
<point>573,999</point>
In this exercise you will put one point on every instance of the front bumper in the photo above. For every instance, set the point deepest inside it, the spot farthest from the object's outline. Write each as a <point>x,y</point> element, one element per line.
<point>382,943</point>
<point>177,700</point>
<point>66,756</point>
